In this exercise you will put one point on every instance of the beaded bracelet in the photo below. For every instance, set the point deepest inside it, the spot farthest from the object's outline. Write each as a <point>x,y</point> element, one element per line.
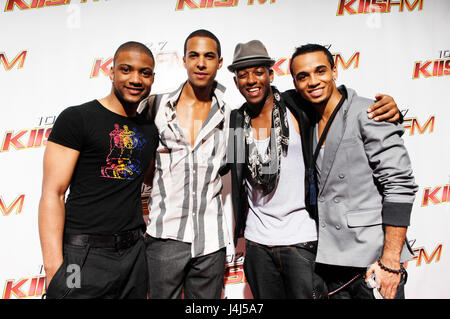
<point>399,271</point>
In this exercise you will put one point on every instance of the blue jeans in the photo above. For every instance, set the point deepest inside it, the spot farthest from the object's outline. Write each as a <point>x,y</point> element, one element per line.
<point>280,272</point>
<point>173,271</point>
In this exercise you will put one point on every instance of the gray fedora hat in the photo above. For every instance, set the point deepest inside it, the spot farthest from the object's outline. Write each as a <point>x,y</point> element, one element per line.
<point>252,53</point>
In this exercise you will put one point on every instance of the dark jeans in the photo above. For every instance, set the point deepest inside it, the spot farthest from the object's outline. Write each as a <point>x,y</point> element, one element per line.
<point>92,273</point>
<point>172,271</point>
<point>349,283</point>
<point>280,272</point>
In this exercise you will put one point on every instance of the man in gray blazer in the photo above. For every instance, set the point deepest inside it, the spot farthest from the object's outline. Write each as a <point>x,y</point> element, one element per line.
<point>365,185</point>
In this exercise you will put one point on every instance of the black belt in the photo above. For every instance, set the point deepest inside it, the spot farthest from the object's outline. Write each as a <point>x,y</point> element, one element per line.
<point>117,241</point>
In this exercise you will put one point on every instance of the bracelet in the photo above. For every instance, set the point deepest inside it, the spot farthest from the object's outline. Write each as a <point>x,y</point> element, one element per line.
<point>399,271</point>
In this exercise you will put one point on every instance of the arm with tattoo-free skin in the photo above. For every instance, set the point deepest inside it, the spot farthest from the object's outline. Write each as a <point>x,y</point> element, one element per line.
<point>392,170</point>
<point>59,164</point>
<point>394,239</point>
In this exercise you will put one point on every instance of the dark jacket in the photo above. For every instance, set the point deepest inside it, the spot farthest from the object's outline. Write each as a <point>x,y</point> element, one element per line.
<point>237,158</point>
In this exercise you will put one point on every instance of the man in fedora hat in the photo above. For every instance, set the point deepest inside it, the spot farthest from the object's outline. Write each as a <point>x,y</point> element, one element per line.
<point>270,194</point>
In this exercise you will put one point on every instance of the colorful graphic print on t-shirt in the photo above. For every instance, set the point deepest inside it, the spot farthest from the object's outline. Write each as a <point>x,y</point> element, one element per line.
<point>123,161</point>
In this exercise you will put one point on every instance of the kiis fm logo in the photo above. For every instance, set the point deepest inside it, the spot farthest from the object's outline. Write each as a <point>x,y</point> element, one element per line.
<point>437,195</point>
<point>28,138</point>
<point>376,6</point>
<point>33,4</point>
<point>282,68</point>
<point>104,65</point>
<point>17,205</point>
<point>421,254</point>
<point>441,66</point>
<point>181,4</point>
<point>20,58</point>
<point>24,288</point>
<point>145,196</point>
<point>412,124</point>
<point>234,272</point>
<point>101,65</point>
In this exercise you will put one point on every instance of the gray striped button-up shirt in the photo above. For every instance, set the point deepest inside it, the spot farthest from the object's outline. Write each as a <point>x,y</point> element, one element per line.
<point>186,202</point>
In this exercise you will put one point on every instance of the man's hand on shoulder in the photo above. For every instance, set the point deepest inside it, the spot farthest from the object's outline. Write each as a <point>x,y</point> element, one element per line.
<point>384,109</point>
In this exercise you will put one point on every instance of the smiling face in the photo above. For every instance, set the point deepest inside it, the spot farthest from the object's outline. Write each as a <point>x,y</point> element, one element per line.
<point>132,76</point>
<point>314,78</point>
<point>201,61</point>
<point>254,83</point>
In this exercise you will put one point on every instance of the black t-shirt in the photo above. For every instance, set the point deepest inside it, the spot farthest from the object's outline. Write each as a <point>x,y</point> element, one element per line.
<point>115,151</point>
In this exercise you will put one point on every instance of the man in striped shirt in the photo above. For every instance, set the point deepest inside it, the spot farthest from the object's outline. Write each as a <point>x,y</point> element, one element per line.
<point>187,233</point>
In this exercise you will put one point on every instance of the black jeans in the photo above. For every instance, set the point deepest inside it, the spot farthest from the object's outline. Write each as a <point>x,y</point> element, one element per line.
<point>107,273</point>
<point>173,271</point>
<point>349,282</point>
<point>280,272</point>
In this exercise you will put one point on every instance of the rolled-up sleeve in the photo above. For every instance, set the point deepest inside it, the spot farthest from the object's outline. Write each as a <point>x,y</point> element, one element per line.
<point>391,167</point>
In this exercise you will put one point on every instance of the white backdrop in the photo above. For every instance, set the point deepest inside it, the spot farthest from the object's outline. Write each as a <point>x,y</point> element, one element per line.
<point>55,54</point>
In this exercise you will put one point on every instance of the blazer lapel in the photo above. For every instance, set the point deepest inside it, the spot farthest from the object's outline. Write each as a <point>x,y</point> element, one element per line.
<point>333,141</point>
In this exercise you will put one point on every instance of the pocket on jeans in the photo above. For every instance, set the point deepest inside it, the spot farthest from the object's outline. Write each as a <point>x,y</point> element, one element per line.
<point>304,254</point>
<point>249,243</point>
<point>60,287</point>
<point>57,284</point>
<point>400,294</point>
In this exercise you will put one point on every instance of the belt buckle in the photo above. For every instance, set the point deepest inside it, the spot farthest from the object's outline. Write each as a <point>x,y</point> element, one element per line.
<point>117,243</point>
<point>122,241</point>
<point>125,240</point>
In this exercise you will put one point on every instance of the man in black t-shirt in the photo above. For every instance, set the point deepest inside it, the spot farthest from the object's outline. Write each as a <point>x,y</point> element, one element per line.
<point>92,242</point>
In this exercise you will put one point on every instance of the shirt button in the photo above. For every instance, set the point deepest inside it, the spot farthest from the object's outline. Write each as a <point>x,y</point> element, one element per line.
<point>336,200</point>
<point>338,227</point>
<point>341,176</point>
<point>323,225</point>
<point>194,171</point>
<point>193,193</point>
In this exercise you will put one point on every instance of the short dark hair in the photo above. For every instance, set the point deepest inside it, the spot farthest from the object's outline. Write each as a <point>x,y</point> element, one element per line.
<point>134,46</point>
<point>205,34</point>
<point>309,48</point>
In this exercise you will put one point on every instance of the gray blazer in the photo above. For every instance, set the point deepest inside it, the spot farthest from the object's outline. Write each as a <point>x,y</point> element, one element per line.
<point>365,181</point>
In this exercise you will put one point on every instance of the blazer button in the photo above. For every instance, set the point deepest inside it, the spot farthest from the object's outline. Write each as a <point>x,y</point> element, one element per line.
<point>336,200</point>
<point>322,224</point>
<point>321,199</point>
<point>341,176</point>
<point>338,227</point>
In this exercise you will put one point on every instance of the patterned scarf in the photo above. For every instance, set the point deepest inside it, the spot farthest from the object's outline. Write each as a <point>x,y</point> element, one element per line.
<point>265,169</point>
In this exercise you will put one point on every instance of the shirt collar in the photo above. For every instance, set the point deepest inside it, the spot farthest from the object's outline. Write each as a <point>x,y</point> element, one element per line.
<point>219,91</point>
